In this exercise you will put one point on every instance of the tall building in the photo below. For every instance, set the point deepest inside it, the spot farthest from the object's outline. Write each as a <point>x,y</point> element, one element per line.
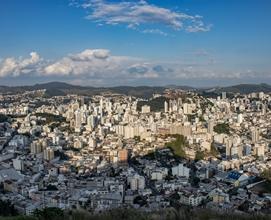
<point>165,106</point>
<point>255,135</point>
<point>247,150</point>
<point>224,95</point>
<point>18,164</point>
<point>137,182</point>
<point>91,121</point>
<point>36,147</point>
<point>259,150</point>
<point>180,170</point>
<point>179,102</point>
<point>210,126</point>
<point>228,147</point>
<point>145,109</point>
<point>101,104</point>
<point>263,109</point>
<point>82,100</point>
<point>237,151</point>
<point>123,156</point>
<point>78,121</point>
<point>48,154</point>
<point>92,143</point>
<point>240,118</point>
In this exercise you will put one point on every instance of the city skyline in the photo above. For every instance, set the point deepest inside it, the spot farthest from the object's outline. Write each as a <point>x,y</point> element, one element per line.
<point>111,43</point>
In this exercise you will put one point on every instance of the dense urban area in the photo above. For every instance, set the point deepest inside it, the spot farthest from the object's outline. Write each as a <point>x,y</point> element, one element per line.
<point>113,151</point>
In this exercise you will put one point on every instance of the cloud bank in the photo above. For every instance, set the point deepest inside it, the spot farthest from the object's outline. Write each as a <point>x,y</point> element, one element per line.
<point>104,68</point>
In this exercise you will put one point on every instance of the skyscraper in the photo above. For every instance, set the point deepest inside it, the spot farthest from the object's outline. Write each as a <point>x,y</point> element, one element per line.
<point>254,135</point>
<point>165,106</point>
<point>210,126</point>
<point>78,121</point>
<point>224,95</point>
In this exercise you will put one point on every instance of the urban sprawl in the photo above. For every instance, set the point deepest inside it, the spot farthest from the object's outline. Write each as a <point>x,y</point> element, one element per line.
<point>107,151</point>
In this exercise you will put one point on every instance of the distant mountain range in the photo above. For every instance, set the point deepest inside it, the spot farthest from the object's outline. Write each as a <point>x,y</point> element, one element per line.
<point>60,88</point>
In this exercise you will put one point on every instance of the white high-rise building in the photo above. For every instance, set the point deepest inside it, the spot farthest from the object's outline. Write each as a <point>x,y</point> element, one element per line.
<point>180,170</point>
<point>180,102</point>
<point>48,154</point>
<point>91,121</point>
<point>165,106</point>
<point>92,143</point>
<point>210,126</point>
<point>254,135</point>
<point>137,182</point>
<point>36,147</point>
<point>78,121</point>
<point>228,147</point>
<point>18,164</point>
<point>101,104</point>
<point>224,95</point>
<point>240,118</point>
<point>260,149</point>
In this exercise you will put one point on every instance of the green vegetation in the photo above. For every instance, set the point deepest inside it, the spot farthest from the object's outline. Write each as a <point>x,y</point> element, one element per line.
<point>7,209</point>
<point>206,104</point>
<point>49,213</point>
<point>156,104</point>
<point>201,118</point>
<point>183,213</point>
<point>222,128</point>
<point>137,138</point>
<point>51,118</point>
<point>264,187</point>
<point>214,152</point>
<point>18,218</point>
<point>178,145</point>
<point>3,118</point>
<point>199,155</point>
<point>266,174</point>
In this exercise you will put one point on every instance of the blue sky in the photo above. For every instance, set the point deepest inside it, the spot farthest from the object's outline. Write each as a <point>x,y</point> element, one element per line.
<point>109,42</point>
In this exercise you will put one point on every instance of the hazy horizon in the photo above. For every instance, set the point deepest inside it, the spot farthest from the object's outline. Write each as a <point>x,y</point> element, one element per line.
<point>148,85</point>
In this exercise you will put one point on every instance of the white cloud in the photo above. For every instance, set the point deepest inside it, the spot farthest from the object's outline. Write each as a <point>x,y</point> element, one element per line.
<point>198,28</point>
<point>101,67</point>
<point>154,31</point>
<point>14,67</point>
<point>137,13</point>
<point>94,63</point>
<point>90,54</point>
<point>143,70</point>
<point>62,67</point>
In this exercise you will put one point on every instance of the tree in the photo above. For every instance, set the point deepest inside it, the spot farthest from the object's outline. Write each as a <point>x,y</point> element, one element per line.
<point>3,118</point>
<point>178,145</point>
<point>222,128</point>
<point>214,152</point>
<point>266,174</point>
<point>199,155</point>
<point>7,208</point>
<point>49,213</point>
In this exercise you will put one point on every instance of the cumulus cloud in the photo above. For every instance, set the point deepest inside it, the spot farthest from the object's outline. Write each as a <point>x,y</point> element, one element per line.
<point>94,63</point>
<point>88,54</point>
<point>13,66</point>
<point>134,14</point>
